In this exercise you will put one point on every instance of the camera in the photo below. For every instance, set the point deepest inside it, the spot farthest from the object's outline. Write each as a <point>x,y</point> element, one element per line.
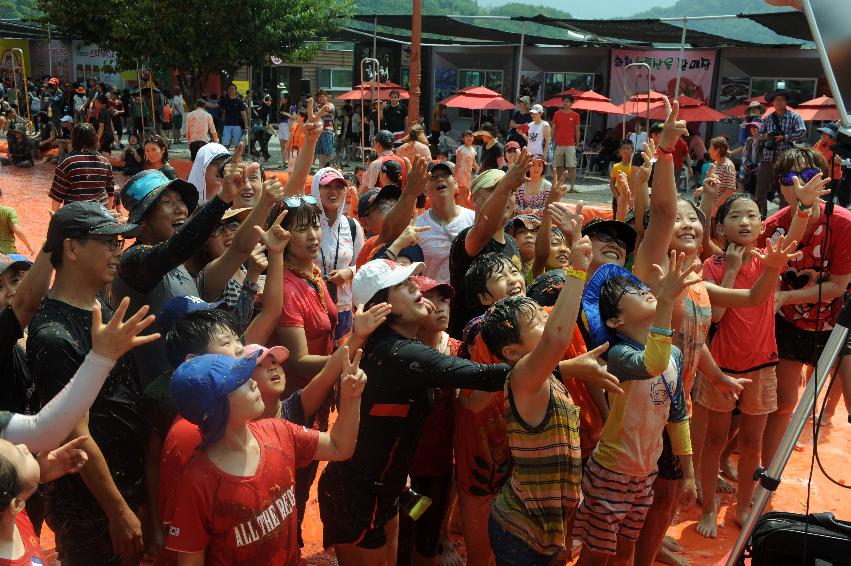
<point>771,143</point>
<point>332,288</point>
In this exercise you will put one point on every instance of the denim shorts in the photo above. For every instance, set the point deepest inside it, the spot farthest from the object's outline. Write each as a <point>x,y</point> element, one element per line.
<point>511,551</point>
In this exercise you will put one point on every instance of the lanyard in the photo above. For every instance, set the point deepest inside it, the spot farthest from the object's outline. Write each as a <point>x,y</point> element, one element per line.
<point>336,253</point>
<point>441,226</point>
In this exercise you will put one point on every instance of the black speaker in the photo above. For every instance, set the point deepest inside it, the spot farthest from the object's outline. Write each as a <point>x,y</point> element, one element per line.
<point>304,86</point>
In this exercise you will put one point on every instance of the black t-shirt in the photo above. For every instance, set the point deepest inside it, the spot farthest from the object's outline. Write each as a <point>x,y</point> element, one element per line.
<point>45,132</point>
<point>232,109</point>
<point>490,156</point>
<point>16,384</point>
<point>462,310</point>
<point>59,339</point>
<point>63,133</point>
<point>393,119</point>
<point>104,117</point>
<point>519,119</point>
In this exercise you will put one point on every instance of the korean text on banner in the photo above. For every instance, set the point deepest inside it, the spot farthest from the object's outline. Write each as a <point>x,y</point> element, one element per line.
<point>697,67</point>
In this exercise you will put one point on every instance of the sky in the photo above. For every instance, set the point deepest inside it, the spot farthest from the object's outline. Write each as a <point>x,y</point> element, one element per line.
<point>590,9</point>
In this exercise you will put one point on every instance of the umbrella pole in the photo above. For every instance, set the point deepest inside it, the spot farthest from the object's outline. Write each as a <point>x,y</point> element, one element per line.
<point>141,102</point>
<point>679,65</point>
<point>520,59</point>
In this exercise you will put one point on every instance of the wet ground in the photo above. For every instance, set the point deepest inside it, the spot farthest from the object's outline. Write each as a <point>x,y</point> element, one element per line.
<point>26,191</point>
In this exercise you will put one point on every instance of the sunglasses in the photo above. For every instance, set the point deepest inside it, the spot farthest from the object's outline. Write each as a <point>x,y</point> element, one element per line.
<point>112,243</point>
<point>608,238</point>
<point>220,229</point>
<point>805,176</point>
<point>297,201</point>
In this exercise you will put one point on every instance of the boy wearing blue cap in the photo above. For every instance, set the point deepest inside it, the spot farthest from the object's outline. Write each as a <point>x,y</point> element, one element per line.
<point>618,478</point>
<point>237,504</point>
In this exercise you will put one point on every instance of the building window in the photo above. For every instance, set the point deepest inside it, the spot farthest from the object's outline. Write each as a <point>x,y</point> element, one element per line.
<point>800,90</point>
<point>554,83</point>
<point>489,79</point>
<point>335,79</point>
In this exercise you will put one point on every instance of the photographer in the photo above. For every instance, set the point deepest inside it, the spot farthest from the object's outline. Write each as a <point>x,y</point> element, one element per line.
<point>779,131</point>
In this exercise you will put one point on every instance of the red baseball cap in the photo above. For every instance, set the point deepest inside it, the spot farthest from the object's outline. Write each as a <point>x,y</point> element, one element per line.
<point>426,284</point>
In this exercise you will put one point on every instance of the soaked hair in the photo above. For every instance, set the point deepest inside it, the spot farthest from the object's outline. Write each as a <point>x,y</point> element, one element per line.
<point>303,215</point>
<point>159,141</point>
<point>382,296</point>
<point>789,160</point>
<point>191,334</point>
<point>84,138</point>
<point>479,273</point>
<point>725,207</point>
<point>611,294</point>
<point>720,143</point>
<point>502,322</point>
<point>10,483</point>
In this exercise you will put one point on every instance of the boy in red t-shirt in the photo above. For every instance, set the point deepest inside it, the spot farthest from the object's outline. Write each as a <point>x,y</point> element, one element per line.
<point>565,130</point>
<point>236,502</point>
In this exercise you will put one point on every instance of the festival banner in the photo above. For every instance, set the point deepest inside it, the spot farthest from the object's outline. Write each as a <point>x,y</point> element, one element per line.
<point>697,67</point>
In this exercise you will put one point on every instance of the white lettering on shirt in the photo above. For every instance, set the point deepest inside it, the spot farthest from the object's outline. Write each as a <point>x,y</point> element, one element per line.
<point>269,520</point>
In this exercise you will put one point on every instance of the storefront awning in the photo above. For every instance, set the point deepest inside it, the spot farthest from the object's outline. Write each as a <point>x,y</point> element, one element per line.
<point>648,31</point>
<point>446,26</point>
<point>788,24</point>
<point>15,29</point>
<point>357,35</point>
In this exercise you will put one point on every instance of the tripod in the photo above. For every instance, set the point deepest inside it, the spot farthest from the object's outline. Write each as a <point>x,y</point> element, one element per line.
<point>769,479</point>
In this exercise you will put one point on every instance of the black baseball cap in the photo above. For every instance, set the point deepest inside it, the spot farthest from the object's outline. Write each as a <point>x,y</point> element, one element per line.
<point>439,165</point>
<point>621,229</point>
<point>384,137</point>
<point>370,199</point>
<point>392,169</point>
<point>81,219</point>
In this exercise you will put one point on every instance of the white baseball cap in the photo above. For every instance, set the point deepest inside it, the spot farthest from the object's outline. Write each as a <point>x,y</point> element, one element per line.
<point>380,274</point>
<point>537,109</point>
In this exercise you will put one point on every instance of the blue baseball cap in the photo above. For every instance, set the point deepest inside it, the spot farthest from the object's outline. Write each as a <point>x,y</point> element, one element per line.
<point>143,189</point>
<point>200,386</point>
<point>177,307</point>
<point>599,333</point>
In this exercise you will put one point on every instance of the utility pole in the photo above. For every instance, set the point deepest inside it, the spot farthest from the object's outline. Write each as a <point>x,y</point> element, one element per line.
<point>415,71</point>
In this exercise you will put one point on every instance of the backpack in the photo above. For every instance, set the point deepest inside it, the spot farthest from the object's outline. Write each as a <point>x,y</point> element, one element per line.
<point>780,538</point>
<point>35,104</point>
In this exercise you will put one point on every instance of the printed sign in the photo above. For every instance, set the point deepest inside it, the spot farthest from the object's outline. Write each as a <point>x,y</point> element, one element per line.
<point>697,67</point>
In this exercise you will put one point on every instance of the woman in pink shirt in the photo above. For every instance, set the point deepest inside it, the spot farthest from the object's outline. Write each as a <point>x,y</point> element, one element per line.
<point>415,144</point>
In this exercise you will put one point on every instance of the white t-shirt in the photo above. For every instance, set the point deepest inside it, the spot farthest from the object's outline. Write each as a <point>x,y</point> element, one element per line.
<point>535,145</point>
<point>437,242</point>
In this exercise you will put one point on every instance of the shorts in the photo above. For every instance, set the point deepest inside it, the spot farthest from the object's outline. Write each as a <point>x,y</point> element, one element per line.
<point>284,131</point>
<point>564,156</point>
<point>798,345</point>
<point>511,551</point>
<point>613,505</point>
<point>351,512</point>
<point>759,397</point>
<point>668,462</point>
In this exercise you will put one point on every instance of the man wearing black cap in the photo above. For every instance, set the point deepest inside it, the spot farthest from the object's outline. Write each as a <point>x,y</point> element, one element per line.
<point>93,513</point>
<point>383,145</point>
<point>374,204</point>
<point>391,174</point>
<point>779,131</point>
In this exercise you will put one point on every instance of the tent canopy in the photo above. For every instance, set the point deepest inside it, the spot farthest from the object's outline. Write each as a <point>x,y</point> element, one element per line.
<point>788,24</point>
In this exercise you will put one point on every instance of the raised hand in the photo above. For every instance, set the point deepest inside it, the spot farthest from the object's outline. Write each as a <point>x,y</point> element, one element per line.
<point>257,261</point>
<point>411,234</point>
<point>810,193</point>
<point>648,152</point>
<point>777,255</point>
<point>115,339</point>
<point>734,254</point>
<point>580,247</point>
<point>676,278</point>
<point>275,238</point>
<point>559,188</point>
<point>587,369</point>
<point>711,188</point>
<point>365,323</point>
<point>273,190</point>
<point>518,171</point>
<point>67,459</point>
<point>673,127</point>
<point>624,193</point>
<point>353,380</point>
<point>235,175</point>
<point>417,177</point>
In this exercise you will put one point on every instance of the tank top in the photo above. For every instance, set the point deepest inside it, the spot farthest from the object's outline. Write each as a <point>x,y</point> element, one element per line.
<point>535,145</point>
<point>542,492</point>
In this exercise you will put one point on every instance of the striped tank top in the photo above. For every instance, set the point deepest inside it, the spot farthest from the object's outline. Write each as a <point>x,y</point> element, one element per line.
<point>542,492</point>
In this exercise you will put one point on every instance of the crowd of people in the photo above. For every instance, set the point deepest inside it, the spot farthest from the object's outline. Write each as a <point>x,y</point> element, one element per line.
<point>445,331</point>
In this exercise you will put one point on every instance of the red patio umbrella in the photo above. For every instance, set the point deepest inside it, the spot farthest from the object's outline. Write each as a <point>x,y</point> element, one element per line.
<point>694,110</point>
<point>589,101</point>
<point>821,108</point>
<point>637,105</point>
<point>739,111</point>
<point>477,98</point>
<point>364,91</point>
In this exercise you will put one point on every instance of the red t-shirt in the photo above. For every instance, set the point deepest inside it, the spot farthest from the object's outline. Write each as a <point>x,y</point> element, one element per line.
<point>303,309</point>
<point>805,272</point>
<point>370,247</point>
<point>434,451</point>
<point>32,548</point>
<point>745,338</point>
<point>250,519</point>
<point>565,123</point>
<point>680,153</point>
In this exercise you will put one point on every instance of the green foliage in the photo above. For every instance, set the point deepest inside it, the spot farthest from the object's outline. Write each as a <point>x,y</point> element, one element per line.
<point>17,9</point>
<point>199,37</point>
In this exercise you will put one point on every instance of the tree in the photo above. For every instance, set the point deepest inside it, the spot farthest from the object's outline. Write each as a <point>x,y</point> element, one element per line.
<point>198,37</point>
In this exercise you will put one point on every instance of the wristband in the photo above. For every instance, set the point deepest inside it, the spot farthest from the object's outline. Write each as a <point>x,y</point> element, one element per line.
<point>580,274</point>
<point>664,151</point>
<point>804,208</point>
<point>662,331</point>
<point>804,213</point>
